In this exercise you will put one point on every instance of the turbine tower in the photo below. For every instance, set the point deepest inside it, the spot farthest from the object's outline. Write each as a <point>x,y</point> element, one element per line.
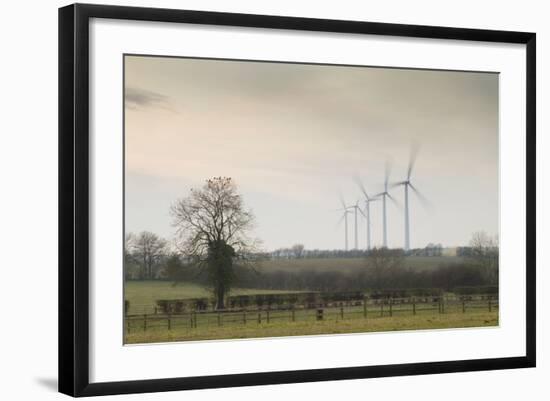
<point>408,184</point>
<point>385,195</point>
<point>366,213</point>
<point>355,208</point>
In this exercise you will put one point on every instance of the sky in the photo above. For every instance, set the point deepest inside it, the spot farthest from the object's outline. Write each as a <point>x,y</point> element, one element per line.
<point>294,136</point>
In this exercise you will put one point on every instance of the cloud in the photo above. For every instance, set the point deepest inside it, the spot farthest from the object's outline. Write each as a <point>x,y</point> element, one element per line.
<point>136,98</point>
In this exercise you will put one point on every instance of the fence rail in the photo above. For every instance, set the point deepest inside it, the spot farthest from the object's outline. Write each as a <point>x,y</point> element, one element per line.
<point>366,309</point>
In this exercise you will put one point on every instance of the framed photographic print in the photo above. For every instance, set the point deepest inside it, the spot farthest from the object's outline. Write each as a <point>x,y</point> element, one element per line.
<point>251,199</point>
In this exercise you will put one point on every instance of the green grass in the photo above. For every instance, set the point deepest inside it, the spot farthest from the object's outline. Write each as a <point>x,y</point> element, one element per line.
<point>309,326</point>
<point>351,264</point>
<point>143,294</point>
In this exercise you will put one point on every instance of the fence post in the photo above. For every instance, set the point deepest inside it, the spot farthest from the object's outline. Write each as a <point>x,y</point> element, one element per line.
<point>244,317</point>
<point>319,314</point>
<point>128,321</point>
<point>169,323</point>
<point>364,308</point>
<point>391,307</point>
<point>381,308</point>
<point>342,312</point>
<point>463,306</point>
<point>144,322</point>
<point>268,316</point>
<point>259,317</point>
<point>219,319</point>
<point>490,306</point>
<point>293,315</point>
<point>195,319</point>
<point>414,305</point>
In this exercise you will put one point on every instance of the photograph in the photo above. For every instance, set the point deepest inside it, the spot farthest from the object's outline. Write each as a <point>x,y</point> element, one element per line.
<point>272,199</point>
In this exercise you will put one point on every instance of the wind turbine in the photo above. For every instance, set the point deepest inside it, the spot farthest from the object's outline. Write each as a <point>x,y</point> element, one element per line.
<point>344,217</point>
<point>408,184</point>
<point>385,195</point>
<point>366,214</point>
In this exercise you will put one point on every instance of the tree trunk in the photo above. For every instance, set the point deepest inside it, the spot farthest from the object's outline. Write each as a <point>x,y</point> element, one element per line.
<point>220,294</point>
<point>144,269</point>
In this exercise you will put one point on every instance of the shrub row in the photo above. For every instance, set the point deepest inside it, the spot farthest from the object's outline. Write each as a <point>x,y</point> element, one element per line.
<point>182,305</point>
<point>324,299</point>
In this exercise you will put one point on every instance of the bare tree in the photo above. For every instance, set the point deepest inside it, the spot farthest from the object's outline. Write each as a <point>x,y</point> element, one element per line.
<point>212,229</point>
<point>298,250</point>
<point>147,249</point>
<point>129,240</point>
<point>129,260</point>
<point>485,251</point>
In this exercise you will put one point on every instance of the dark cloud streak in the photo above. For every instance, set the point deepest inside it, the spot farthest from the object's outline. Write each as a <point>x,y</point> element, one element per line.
<point>136,98</point>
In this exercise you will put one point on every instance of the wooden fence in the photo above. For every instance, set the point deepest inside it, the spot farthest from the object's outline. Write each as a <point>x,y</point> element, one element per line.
<point>367,309</point>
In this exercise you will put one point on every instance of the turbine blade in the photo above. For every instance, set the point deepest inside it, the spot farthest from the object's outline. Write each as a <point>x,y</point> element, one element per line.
<point>360,185</point>
<point>423,200</point>
<point>395,201</point>
<point>342,201</point>
<point>397,184</point>
<point>412,159</point>
<point>339,223</point>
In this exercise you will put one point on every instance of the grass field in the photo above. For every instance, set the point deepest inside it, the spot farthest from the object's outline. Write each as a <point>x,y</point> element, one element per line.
<point>350,264</point>
<point>422,321</point>
<point>143,294</point>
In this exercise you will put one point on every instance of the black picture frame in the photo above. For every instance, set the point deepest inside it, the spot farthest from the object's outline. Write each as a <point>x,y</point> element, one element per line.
<point>74,198</point>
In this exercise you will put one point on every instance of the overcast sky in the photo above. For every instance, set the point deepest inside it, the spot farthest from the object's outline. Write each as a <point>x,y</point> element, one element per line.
<point>293,136</point>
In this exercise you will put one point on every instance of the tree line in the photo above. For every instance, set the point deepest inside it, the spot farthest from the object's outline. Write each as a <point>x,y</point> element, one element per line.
<point>298,251</point>
<point>148,257</point>
<point>213,247</point>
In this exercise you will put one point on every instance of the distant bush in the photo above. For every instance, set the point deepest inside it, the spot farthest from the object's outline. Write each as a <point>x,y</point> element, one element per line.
<point>488,290</point>
<point>174,305</point>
